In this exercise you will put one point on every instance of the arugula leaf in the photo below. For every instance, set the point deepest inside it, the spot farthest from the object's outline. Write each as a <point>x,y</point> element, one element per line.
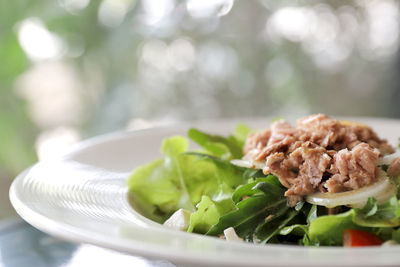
<point>253,173</point>
<point>217,145</point>
<point>179,180</point>
<point>252,211</point>
<point>274,224</point>
<point>295,229</point>
<point>312,214</point>
<point>250,189</point>
<point>301,230</point>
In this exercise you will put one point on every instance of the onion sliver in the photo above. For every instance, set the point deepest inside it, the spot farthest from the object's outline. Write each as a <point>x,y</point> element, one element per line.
<point>381,190</point>
<point>386,160</point>
<point>248,164</point>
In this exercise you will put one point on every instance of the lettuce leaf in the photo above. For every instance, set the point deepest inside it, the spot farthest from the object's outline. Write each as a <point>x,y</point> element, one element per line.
<point>179,180</point>
<point>207,214</point>
<point>240,134</point>
<point>328,230</point>
<point>217,145</point>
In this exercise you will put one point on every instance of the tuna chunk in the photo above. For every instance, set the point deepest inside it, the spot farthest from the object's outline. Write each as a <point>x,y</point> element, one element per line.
<point>320,154</point>
<point>320,129</point>
<point>315,162</point>
<point>356,133</point>
<point>257,140</point>
<point>353,169</point>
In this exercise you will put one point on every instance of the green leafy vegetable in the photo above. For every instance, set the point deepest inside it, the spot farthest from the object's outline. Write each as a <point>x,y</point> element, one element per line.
<point>274,224</point>
<point>312,214</point>
<point>240,134</point>
<point>179,180</point>
<point>250,188</point>
<point>296,229</point>
<point>207,214</point>
<point>374,215</point>
<point>328,230</point>
<point>396,235</point>
<point>224,147</point>
<point>266,199</point>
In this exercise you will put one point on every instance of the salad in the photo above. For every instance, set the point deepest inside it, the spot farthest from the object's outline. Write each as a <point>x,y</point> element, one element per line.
<point>323,182</point>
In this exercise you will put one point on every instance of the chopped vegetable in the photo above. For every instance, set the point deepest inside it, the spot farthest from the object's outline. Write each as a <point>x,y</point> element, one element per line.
<point>359,238</point>
<point>179,220</point>
<point>231,235</point>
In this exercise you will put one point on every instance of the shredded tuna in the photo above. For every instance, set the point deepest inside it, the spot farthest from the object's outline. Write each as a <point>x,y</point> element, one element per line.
<point>320,154</point>
<point>353,169</point>
<point>257,140</point>
<point>315,162</point>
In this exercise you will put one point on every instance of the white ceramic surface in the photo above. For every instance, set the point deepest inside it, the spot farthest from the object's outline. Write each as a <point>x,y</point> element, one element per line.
<point>82,197</point>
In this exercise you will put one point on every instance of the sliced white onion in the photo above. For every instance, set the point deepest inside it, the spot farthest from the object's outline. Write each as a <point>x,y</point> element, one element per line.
<point>248,164</point>
<point>386,160</point>
<point>381,190</point>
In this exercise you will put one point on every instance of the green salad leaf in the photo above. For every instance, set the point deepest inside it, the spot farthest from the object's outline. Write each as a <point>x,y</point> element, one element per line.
<point>179,180</point>
<point>224,147</point>
<point>251,189</point>
<point>396,235</point>
<point>312,214</point>
<point>328,230</point>
<point>374,215</point>
<point>207,214</point>
<point>295,229</point>
<point>272,225</point>
<point>240,134</point>
<point>264,199</point>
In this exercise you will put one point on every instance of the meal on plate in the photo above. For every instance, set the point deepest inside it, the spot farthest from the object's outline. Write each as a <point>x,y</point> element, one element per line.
<point>323,182</point>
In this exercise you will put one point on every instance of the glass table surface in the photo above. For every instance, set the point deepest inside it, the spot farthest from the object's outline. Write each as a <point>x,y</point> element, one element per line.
<point>23,245</point>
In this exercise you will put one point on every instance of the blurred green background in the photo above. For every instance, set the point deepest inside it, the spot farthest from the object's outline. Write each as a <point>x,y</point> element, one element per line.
<point>72,69</point>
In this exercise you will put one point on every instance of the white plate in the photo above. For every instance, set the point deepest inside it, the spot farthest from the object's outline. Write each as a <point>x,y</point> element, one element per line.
<point>82,197</point>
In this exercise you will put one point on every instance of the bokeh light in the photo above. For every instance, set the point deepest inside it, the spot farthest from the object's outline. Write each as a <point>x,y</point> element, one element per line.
<point>37,41</point>
<point>75,69</point>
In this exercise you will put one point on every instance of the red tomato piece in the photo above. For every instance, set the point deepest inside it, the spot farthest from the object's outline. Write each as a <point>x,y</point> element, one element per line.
<point>358,238</point>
